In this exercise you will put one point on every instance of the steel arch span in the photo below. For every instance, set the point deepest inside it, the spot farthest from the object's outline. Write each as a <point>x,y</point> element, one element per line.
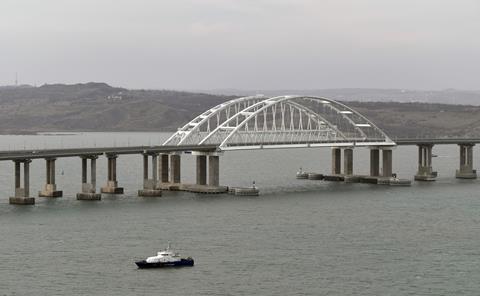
<point>259,122</point>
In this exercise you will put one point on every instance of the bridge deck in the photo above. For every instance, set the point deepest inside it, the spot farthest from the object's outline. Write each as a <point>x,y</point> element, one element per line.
<point>438,141</point>
<point>57,153</point>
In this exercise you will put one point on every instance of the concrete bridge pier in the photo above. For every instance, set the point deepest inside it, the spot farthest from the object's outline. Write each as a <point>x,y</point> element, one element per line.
<point>50,189</point>
<point>201,170</point>
<point>425,171</point>
<point>466,170</point>
<point>163,182</point>
<point>380,174</point>
<point>163,167</point>
<point>207,174</point>
<point>336,174</point>
<point>89,189</point>
<point>214,170</point>
<point>175,166</point>
<point>336,161</point>
<point>22,194</point>
<point>374,162</point>
<point>387,159</point>
<point>348,161</point>
<point>150,186</point>
<point>112,183</point>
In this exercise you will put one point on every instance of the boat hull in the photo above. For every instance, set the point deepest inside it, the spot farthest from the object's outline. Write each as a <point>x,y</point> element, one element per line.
<point>183,262</point>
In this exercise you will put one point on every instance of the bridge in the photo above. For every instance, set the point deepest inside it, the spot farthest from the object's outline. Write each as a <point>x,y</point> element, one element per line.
<point>258,122</point>
<point>247,123</point>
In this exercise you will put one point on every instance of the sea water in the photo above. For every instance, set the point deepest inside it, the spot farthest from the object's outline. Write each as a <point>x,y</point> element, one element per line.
<point>299,237</point>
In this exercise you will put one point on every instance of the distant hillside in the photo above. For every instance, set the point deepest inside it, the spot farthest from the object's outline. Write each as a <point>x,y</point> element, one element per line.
<point>97,106</point>
<point>100,107</point>
<point>422,120</point>
<point>447,96</point>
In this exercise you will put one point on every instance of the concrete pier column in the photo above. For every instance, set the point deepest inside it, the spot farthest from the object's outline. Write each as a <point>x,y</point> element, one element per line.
<point>52,170</point>
<point>201,169</point>
<point>466,170</point>
<point>47,165</point>
<point>374,162</point>
<point>89,189</point>
<point>213,170</point>
<point>50,188</point>
<point>26,177</point>
<point>112,184</point>
<point>22,194</point>
<point>175,168</point>
<point>164,168</point>
<point>386,162</point>
<point>348,161</point>
<point>336,161</point>
<point>113,167</point>
<point>154,168</point>
<point>93,173</point>
<point>145,166</point>
<point>425,171</point>
<point>17,174</point>
<point>150,186</point>
<point>84,170</point>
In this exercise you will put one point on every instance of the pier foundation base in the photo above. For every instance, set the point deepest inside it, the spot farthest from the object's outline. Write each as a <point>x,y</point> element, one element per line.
<point>89,196</point>
<point>207,189</point>
<point>150,192</point>
<point>50,190</point>
<point>150,189</point>
<point>432,176</point>
<point>21,200</point>
<point>169,186</point>
<point>334,178</point>
<point>466,175</point>
<point>112,188</point>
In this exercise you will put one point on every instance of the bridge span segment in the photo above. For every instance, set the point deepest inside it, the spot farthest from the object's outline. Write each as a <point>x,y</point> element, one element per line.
<point>259,122</point>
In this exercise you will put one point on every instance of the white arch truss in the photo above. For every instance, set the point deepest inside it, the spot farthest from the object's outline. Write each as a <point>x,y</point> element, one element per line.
<point>194,131</point>
<point>280,122</point>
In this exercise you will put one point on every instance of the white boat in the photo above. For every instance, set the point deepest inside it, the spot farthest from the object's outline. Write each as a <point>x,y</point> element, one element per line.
<point>165,258</point>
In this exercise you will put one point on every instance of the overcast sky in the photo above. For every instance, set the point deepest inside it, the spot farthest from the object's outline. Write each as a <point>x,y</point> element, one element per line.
<point>243,44</point>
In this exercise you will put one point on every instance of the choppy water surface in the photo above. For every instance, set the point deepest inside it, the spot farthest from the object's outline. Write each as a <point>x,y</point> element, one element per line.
<point>299,237</point>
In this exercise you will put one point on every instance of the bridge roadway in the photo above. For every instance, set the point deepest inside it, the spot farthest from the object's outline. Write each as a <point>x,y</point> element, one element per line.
<point>72,152</point>
<point>436,141</point>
